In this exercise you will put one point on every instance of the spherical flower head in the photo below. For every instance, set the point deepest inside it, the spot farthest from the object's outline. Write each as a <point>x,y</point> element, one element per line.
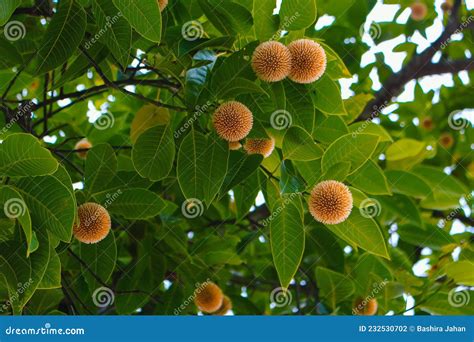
<point>330,202</point>
<point>235,145</point>
<point>162,4</point>
<point>446,140</point>
<point>208,297</point>
<point>308,61</point>
<point>264,147</point>
<point>418,11</point>
<point>225,307</point>
<point>271,61</point>
<point>367,307</point>
<point>83,144</point>
<point>447,6</point>
<point>233,121</point>
<point>94,223</point>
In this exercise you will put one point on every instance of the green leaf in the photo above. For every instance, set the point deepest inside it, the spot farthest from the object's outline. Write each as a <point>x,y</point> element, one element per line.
<point>407,183</point>
<point>14,208</point>
<point>52,275</point>
<point>153,153</point>
<point>329,128</point>
<point>362,232</point>
<point>298,14</point>
<point>118,33</point>
<point>135,204</point>
<point>101,166</point>
<point>462,272</point>
<point>371,128</point>
<point>241,166</point>
<point>327,96</point>
<point>51,203</point>
<point>287,237</point>
<point>405,153</point>
<point>190,167</point>
<point>438,304</point>
<point>62,37</point>
<point>228,17</point>
<point>446,190</point>
<point>356,149</point>
<point>21,155</point>
<point>7,7</point>
<point>299,145</point>
<point>100,259</point>
<point>265,23</point>
<point>337,172</point>
<point>370,179</point>
<point>145,17</point>
<point>237,87</point>
<point>429,236</point>
<point>335,287</point>
<point>10,55</point>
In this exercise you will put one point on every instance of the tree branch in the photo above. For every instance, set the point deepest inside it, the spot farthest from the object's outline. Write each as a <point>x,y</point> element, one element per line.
<point>394,85</point>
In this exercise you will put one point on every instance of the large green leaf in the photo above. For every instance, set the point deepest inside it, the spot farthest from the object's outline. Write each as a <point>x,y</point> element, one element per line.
<point>362,232</point>
<point>62,37</point>
<point>370,179</point>
<point>407,183</point>
<point>462,272</point>
<point>334,287</point>
<point>446,190</point>
<point>22,155</point>
<point>298,14</point>
<point>117,33</point>
<point>241,166</point>
<point>452,303</point>
<point>14,208</point>
<point>299,145</point>
<point>10,55</point>
<point>265,23</point>
<point>287,237</point>
<point>202,166</point>
<point>135,203</point>
<point>327,96</point>
<point>100,259</point>
<point>51,203</point>
<point>101,166</point>
<point>228,17</point>
<point>7,7</point>
<point>153,153</point>
<point>430,236</point>
<point>145,17</point>
<point>356,149</point>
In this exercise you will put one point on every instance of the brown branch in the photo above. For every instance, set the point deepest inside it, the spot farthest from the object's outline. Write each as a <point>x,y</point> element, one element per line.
<point>394,84</point>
